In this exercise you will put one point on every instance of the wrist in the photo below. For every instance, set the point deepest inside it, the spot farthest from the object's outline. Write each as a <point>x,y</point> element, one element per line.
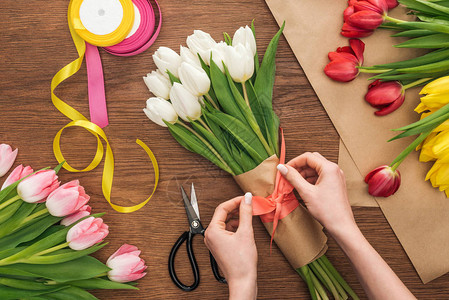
<point>348,237</point>
<point>245,288</point>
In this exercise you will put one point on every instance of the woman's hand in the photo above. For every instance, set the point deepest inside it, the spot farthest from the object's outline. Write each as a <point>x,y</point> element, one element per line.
<point>230,239</point>
<point>322,186</point>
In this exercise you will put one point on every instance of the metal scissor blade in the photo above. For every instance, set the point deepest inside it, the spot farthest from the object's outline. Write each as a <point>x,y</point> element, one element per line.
<point>194,221</point>
<point>194,201</point>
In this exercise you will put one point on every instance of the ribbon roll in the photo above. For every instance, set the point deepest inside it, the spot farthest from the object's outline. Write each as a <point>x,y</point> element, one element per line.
<point>116,31</point>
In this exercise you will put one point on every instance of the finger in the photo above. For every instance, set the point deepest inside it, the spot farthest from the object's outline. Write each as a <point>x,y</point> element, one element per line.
<point>312,180</point>
<point>292,175</point>
<point>319,155</point>
<point>232,225</point>
<point>308,160</point>
<point>222,211</point>
<point>308,172</point>
<point>246,214</point>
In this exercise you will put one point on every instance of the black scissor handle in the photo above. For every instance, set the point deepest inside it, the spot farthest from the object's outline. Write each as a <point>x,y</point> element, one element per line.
<point>187,235</point>
<point>214,266</point>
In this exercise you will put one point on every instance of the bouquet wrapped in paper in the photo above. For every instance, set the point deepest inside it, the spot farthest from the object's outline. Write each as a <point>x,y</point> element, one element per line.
<point>216,100</point>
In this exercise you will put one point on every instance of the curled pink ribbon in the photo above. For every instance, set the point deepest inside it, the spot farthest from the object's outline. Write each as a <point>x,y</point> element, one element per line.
<point>140,41</point>
<point>281,202</point>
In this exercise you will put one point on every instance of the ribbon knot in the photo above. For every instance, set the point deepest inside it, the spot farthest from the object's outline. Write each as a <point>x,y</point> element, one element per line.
<point>280,203</point>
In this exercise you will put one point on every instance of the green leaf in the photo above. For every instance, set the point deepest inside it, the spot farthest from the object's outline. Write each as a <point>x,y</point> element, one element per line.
<point>261,114</point>
<point>71,293</point>
<point>438,114</point>
<point>435,6</point>
<point>99,283</point>
<point>7,293</point>
<point>9,252</point>
<point>420,7</point>
<point>173,78</point>
<point>413,33</point>
<point>78,269</point>
<point>244,135</point>
<point>192,143</point>
<point>408,76</point>
<point>433,41</point>
<point>12,224</point>
<point>63,255</point>
<point>25,284</point>
<point>8,211</point>
<point>221,148</point>
<point>227,39</point>
<point>256,56</point>
<point>434,56</point>
<point>440,66</point>
<point>246,162</point>
<point>433,19</point>
<point>27,233</point>
<point>58,167</point>
<point>426,26</point>
<point>224,93</point>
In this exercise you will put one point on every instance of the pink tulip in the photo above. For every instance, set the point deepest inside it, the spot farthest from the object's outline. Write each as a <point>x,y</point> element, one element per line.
<point>126,264</point>
<point>87,233</point>
<point>7,158</point>
<point>383,181</point>
<point>81,213</point>
<point>66,199</point>
<point>36,187</point>
<point>18,173</point>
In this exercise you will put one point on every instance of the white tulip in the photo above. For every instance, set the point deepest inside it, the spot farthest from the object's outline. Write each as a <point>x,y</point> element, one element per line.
<point>194,79</point>
<point>167,59</point>
<point>245,36</point>
<point>240,63</point>
<point>158,84</point>
<point>189,57</point>
<point>201,42</point>
<point>158,110</point>
<point>219,54</point>
<point>185,103</point>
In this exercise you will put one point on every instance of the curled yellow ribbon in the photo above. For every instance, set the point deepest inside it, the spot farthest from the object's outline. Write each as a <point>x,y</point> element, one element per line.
<point>79,120</point>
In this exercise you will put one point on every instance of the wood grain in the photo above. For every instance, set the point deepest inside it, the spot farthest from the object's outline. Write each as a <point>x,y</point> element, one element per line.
<point>35,43</point>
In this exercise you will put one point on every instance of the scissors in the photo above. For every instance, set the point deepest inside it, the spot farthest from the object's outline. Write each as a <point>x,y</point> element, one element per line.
<point>196,227</point>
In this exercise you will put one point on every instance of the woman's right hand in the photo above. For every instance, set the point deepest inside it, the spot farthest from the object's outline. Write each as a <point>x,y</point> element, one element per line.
<point>322,186</point>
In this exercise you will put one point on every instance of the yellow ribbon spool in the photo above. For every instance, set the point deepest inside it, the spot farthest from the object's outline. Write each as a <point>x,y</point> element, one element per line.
<point>113,38</point>
<point>79,120</point>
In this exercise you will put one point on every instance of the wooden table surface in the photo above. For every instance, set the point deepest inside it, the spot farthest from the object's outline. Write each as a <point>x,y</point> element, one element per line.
<point>35,43</point>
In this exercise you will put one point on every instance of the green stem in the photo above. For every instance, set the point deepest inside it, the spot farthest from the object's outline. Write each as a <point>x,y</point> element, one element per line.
<point>305,274</point>
<point>10,201</point>
<point>400,158</point>
<point>393,20</point>
<point>209,146</point>
<point>102,275</point>
<point>209,98</point>
<point>319,288</point>
<point>326,278</point>
<point>245,94</point>
<point>52,249</point>
<point>205,125</point>
<point>370,71</point>
<point>334,280</point>
<point>415,83</point>
<point>35,215</point>
<point>338,277</point>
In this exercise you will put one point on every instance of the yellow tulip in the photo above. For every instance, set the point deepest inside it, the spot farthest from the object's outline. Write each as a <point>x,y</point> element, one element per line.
<point>426,148</point>
<point>440,147</point>
<point>440,85</point>
<point>435,100</point>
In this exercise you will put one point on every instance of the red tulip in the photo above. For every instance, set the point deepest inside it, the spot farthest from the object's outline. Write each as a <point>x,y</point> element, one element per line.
<point>381,4</point>
<point>344,60</point>
<point>354,32</point>
<point>392,3</point>
<point>365,5</point>
<point>385,96</point>
<point>365,19</point>
<point>383,181</point>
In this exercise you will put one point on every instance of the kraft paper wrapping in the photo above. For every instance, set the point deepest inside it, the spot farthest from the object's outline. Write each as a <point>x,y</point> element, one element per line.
<point>417,213</point>
<point>298,235</point>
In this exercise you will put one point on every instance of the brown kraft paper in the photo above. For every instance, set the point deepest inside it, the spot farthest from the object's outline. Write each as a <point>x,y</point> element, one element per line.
<point>299,236</point>
<point>417,213</point>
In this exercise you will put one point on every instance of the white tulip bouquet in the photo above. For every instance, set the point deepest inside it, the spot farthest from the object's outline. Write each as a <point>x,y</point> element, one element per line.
<point>216,100</point>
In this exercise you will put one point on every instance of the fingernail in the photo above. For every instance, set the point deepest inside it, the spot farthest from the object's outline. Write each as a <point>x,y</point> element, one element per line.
<point>282,169</point>
<point>248,198</point>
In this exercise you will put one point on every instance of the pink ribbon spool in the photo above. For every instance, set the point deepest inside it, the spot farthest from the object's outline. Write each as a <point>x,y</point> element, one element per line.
<point>140,41</point>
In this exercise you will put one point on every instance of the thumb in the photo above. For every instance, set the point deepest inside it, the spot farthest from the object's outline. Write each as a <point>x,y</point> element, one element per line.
<point>295,179</point>
<point>246,214</point>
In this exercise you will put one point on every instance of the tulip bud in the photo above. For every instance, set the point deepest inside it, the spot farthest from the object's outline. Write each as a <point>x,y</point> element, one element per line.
<point>354,32</point>
<point>66,199</point>
<point>81,213</point>
<point>188,57</point>
<point>126,265</point>
<point>219,54</point>
<point>344,60</point>
<point>87,233</point>
<point>185,103</point>
<point>245,36</point>
<point>365,19</point>
<point>36,187</point>
<point>158,84</point>
<point>7,158</point>
<point>392,3</point>
<point>385,96</point>
<point>167,59</point>
<point>18,173</point>
<point>383,181</point>
<point>201,43</point>
<point>158,110</point>
<point>240,63</point>
<point>194,79</point>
